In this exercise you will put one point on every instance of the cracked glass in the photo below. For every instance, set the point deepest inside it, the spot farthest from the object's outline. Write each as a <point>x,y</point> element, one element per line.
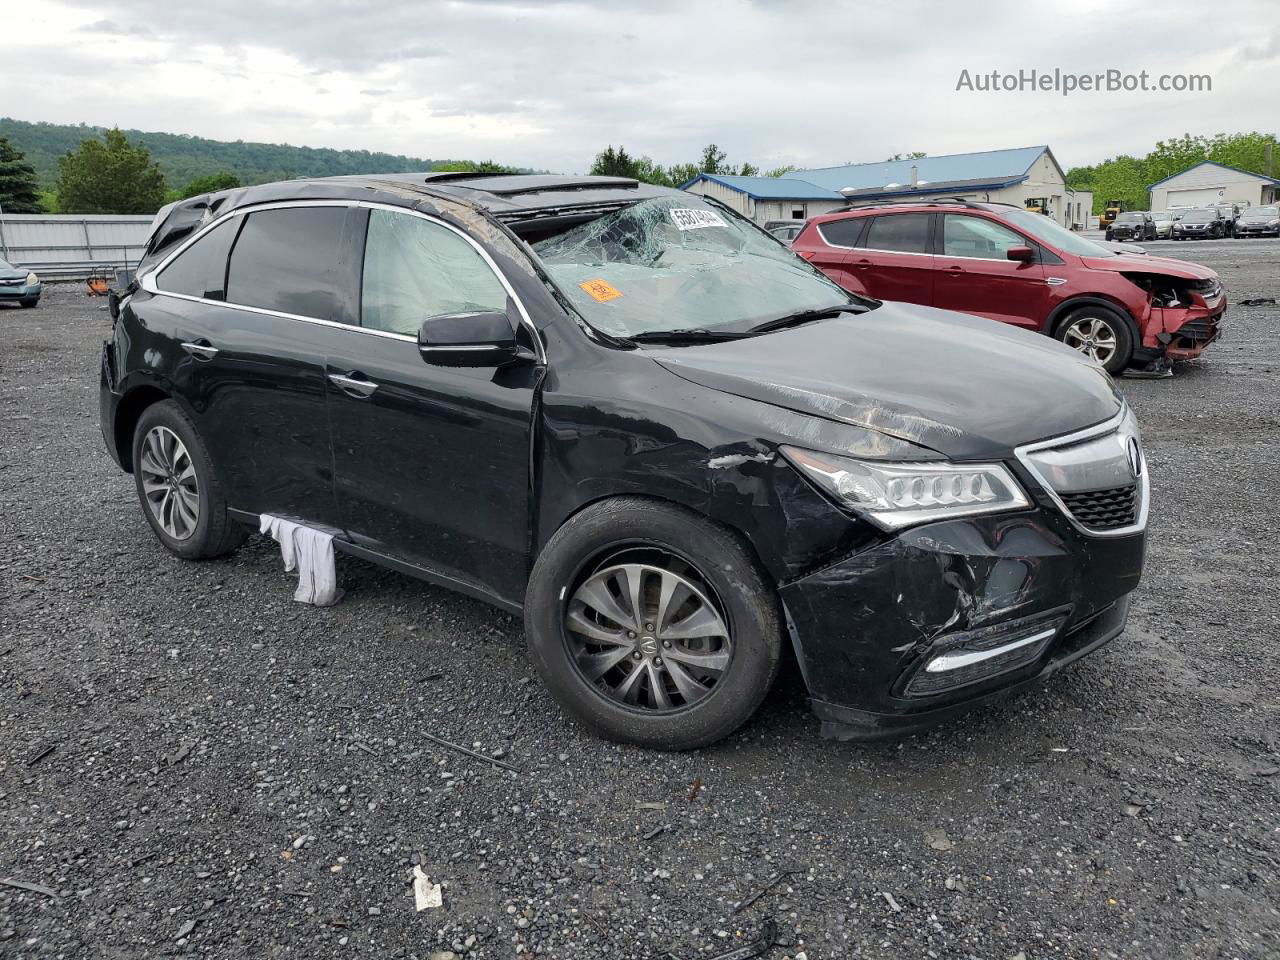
<point>679,263</point>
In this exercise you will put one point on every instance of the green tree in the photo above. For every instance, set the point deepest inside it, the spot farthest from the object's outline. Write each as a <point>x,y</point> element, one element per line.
<point>472,166</point>
<point>781,171</point>
<point>210,184</point>
<point>913,155</point>
<point>682,173</point>
<point>109,176</point>
<point>748,170</point>
<point>19,192</point>
<point>613,163</point>
<point>713,159</point>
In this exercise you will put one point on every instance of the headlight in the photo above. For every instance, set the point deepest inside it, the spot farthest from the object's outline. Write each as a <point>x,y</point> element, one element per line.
<point>32,279</point>
<point>897,495</point>
<point>1273,223</point>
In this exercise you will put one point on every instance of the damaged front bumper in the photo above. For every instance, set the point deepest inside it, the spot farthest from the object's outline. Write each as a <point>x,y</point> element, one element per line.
<point>950,615</point>
<point>1183,332</point>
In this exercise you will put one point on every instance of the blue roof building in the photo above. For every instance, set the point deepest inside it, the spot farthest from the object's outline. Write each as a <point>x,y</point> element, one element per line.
<point>1023,176</point>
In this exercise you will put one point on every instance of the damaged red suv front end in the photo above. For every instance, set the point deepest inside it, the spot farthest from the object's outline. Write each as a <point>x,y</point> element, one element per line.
<point>1180,310</point>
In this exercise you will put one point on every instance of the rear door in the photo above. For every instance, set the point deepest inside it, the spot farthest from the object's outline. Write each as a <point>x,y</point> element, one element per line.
<point>432,462</point>
<point>975,275</point>
<point>247,307</point>
<point>893,260</point>
<point>828,246</point>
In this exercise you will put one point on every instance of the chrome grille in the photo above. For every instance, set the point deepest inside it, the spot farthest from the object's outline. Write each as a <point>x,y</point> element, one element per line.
<point>1097,477</point>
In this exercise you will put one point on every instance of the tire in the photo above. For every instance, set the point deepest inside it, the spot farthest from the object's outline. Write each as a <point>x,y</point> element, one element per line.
<point>29,302</point>
<point>597,550</point>
<point>169,507</point>
<point>1082,323</point>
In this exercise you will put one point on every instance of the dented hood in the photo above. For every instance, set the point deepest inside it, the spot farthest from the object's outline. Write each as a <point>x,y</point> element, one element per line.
<point>966,387</point>
<point>1125,263</point>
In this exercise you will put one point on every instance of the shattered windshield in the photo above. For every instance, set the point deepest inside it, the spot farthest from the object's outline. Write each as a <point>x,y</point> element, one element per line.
<point>678,263</point>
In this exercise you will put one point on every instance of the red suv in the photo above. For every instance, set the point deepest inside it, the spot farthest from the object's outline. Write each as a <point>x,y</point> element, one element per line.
<point>1005,263</point>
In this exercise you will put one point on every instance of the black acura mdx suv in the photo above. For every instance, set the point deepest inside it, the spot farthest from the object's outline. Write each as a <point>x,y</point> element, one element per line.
<point>638,419</point>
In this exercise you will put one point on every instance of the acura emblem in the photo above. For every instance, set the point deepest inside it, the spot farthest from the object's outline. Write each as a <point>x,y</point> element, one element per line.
<point>1135,457</point>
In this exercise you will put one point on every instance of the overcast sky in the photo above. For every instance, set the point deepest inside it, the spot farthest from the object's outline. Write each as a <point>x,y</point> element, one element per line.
<point>548,84</point>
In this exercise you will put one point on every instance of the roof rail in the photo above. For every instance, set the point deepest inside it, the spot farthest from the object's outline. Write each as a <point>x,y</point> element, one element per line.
<point>934,202</point>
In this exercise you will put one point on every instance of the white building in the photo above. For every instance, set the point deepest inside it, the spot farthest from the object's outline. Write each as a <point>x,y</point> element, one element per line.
<point>1020,176</point>
<point>1210,182</point>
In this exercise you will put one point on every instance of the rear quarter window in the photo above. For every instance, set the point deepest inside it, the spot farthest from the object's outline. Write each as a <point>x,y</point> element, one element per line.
<point>201,269</point>
<point>286,260</point>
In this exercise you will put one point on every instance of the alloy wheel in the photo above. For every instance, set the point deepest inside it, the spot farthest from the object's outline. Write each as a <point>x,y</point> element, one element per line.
<point>646,632</point>
<point>169,483</point>
<point>1092,336</point>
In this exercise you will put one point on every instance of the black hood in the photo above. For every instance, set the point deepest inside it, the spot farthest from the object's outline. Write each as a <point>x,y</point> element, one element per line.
<point>964,386</point>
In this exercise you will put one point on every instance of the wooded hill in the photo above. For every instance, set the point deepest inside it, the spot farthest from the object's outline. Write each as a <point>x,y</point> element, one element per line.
<point>183,158</point>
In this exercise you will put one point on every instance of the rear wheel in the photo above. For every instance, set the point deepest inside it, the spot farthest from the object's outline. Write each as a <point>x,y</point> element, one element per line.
<point>652,624</point>
<point>178,487</point>
<point>1100,334</point>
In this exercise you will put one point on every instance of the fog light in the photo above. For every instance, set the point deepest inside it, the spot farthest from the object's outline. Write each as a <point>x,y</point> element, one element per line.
<point>959,659</point>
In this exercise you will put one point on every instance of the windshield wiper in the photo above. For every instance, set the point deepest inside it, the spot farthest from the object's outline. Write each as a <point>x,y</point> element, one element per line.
<point>685,335</point>
<point>805,316</point>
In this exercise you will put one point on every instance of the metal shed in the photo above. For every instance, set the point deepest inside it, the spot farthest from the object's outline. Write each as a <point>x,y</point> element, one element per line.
<point>72,246</point>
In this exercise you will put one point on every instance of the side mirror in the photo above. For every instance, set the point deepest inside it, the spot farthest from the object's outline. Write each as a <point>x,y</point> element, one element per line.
<point>468,340</point>
<point>1021,254</point>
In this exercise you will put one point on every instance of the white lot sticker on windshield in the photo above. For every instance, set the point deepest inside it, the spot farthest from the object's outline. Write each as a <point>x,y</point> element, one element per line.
<point>687,219</point>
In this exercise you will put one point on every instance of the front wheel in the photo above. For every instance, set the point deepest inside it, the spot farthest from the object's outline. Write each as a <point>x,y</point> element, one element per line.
<point>1100,334</point>
<point>652,624</point>
<point>29,302</point>
<point>178,487</point>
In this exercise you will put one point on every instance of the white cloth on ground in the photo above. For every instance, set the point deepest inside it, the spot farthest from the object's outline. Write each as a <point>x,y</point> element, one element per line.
<point>310,551</point>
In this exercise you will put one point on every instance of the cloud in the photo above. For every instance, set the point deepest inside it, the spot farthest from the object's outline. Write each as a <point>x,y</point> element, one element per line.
<point>548,84</point>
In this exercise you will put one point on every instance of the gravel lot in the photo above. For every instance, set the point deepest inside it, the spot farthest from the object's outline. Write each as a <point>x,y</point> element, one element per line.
<point>236,775</point>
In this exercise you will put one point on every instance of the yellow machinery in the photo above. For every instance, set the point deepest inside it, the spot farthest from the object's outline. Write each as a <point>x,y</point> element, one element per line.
<point>1112,210</point>
<point>1037,205</point>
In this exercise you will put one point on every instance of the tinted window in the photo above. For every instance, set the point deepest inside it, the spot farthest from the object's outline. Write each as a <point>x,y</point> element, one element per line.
<point>843,233</point>
<point>201,269</point>
<point>286,260</point>
<point>907,232</point>
<point>415,269</point>
<point>964,236</point>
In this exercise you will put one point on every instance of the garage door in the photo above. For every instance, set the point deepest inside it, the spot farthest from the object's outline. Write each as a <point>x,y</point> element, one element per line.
<point>1195,198</point>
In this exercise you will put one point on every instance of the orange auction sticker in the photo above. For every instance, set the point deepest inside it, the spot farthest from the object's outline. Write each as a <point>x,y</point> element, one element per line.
<point>601,291</point>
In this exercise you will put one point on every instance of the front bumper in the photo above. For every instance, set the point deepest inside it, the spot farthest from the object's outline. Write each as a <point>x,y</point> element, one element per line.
<point>866,627</point>
<point>1256,230</point>
<point>20,291</point>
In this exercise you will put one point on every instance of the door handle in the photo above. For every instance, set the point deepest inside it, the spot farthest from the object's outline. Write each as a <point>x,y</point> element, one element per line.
<point>353,387</point>
<point>863,264</point>
<point>200,349</point>
<point>954,271</point>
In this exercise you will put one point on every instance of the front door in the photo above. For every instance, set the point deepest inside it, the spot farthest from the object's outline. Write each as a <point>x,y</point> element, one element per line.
<point>431,462</point>
<point>975,275</point>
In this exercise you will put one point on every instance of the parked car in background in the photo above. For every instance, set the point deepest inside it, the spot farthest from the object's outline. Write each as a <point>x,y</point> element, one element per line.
<point>1164,221</point>
<point>1132,225</point>
<point>18,285</point>
<point>1201,223</point>
<point>1230,213</point>
<point>1259,222</point>
<point>787,233</point>
<point>1001,262</point>
<point>675,447</point>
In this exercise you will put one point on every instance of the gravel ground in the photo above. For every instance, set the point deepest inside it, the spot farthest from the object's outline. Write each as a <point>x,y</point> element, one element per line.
<point>235,775</point>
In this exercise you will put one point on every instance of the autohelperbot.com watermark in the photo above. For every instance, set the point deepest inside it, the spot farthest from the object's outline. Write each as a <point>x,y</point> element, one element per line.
<point>1066,83</point>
